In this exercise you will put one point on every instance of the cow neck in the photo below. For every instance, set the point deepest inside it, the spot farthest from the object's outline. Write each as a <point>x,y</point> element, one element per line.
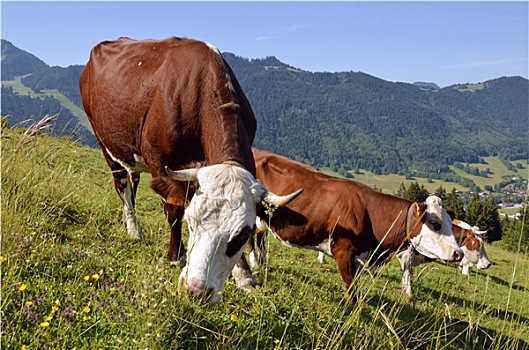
<point>409,219</point>
<point>235,163</point>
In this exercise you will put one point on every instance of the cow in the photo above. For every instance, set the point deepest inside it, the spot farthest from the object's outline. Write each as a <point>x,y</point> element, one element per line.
<point>174,108</point>
<point>346,219</point>
<point>470,240</point>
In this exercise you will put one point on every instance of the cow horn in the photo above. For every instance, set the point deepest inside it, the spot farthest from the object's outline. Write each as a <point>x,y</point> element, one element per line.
<point>182,175</point>
<point>281,201</point>
<point>477,231</point>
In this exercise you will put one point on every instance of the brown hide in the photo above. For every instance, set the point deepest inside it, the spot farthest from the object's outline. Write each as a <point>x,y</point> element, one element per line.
<point>354,216</point>
<point>174,102</point>
<point>466,238</point>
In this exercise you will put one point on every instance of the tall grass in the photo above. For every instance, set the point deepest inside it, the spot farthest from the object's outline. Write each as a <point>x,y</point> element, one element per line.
<point>71,278</point>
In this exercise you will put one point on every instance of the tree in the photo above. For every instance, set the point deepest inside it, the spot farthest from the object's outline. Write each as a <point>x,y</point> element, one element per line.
<point>441,193</point>
<point>484,214</point>
<point>454,202</point>
<point>401,192</point>
<point>416,193</point>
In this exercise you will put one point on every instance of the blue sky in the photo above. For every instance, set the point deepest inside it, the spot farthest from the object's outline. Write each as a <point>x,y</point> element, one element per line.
<point>442,42</point>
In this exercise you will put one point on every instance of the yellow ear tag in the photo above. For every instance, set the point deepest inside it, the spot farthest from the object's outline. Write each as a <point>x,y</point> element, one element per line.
<point>418,210</point>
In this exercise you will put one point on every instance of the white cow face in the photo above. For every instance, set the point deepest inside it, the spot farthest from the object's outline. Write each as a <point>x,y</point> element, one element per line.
<point>436,239</point>
<point>475,254</point>
<point>220,217</point>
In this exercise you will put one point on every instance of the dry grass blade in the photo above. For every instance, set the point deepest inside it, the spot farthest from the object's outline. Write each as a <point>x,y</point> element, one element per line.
<point>31,132</point>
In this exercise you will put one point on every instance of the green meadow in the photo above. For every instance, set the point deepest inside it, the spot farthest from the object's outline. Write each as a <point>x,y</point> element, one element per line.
<point>72,279</point>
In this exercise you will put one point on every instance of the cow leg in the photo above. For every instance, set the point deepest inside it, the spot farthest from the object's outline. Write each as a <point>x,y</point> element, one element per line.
<point>344,254</point>
<point>243,275</point>
<point>126,185</point>
<point>130,187</point>
<point>177,251</point>
<point>257,257</point>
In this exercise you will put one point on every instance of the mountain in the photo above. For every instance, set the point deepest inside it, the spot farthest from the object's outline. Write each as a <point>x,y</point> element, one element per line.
<point>354,120</point>
<point>16,62</point>
<point>425,85</point>
<point>344,120</point>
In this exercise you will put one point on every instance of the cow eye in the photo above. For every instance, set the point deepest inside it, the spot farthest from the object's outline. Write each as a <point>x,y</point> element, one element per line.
<point>237,242</point>
<point>435,225</point>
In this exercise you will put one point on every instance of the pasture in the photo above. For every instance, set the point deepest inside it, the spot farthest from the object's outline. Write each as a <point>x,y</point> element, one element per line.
<point>72,279</point>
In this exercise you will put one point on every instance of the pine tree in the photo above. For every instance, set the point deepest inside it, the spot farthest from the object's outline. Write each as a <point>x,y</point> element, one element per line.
<point>484,214</point>
<point>401,192</point>
<point>441,193</point>
<point>474,209</point>
<point>454,202</point>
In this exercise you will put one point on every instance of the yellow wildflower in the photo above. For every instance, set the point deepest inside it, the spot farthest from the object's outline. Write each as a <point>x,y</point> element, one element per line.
<point>24,347</point>
<point>95,276</point>
<point>2,259</point>
<point>22,287</point>
<point>100,272</point>
<point>234,317</point>
<point>28,303</point>
<point>86,310</point>
<point>86,278</point>
<point>48,318</point>
<point>277,341</point>
<point>133,272</point>
<point>54,309</point>
<point>44,324</point>
<point>58,302</point>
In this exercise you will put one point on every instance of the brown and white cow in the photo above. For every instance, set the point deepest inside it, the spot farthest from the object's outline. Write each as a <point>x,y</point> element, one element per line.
<point>469,239</point>
<point>346,219</point>
<point>156,105</point>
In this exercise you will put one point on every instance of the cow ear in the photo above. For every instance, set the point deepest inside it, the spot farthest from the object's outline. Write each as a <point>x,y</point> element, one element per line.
<point>168,191</point>
<point>451,213</point>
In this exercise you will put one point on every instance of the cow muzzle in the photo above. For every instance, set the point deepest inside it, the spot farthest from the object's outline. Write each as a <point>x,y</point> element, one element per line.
<point>199,290</point>
<point>457,255</point>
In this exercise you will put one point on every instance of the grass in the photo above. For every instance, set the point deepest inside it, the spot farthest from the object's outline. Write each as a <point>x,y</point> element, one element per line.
<point>71,278</point>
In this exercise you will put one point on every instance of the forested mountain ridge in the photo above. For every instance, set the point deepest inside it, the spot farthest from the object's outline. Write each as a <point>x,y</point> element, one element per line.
<point>355,120</point>
<point>346,120</point>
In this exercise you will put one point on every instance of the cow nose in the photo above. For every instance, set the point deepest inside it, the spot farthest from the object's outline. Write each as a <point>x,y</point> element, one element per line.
<point>198,289</point>
<point>458,255</point>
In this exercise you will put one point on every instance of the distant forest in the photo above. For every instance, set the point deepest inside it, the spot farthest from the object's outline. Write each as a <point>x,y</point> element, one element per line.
<point>344,121</point>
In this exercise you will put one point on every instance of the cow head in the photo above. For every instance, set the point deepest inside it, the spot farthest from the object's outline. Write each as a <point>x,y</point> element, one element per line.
<point>220,217</point>
<point>474,249</point>
<point>435,238</point>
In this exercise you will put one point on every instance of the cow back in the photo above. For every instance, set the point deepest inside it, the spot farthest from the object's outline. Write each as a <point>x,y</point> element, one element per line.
<point>175,102</point>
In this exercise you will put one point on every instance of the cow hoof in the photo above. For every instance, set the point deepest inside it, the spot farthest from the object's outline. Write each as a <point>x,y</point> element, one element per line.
<point>178,263</point>
<point>248,283</point>
<point>138,235</point>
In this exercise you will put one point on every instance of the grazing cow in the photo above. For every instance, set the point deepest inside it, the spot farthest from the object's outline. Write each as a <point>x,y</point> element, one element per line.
<point>469,239</point>
<point>471,242</point>
<point>156,105</point>
<point>345,219</point>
